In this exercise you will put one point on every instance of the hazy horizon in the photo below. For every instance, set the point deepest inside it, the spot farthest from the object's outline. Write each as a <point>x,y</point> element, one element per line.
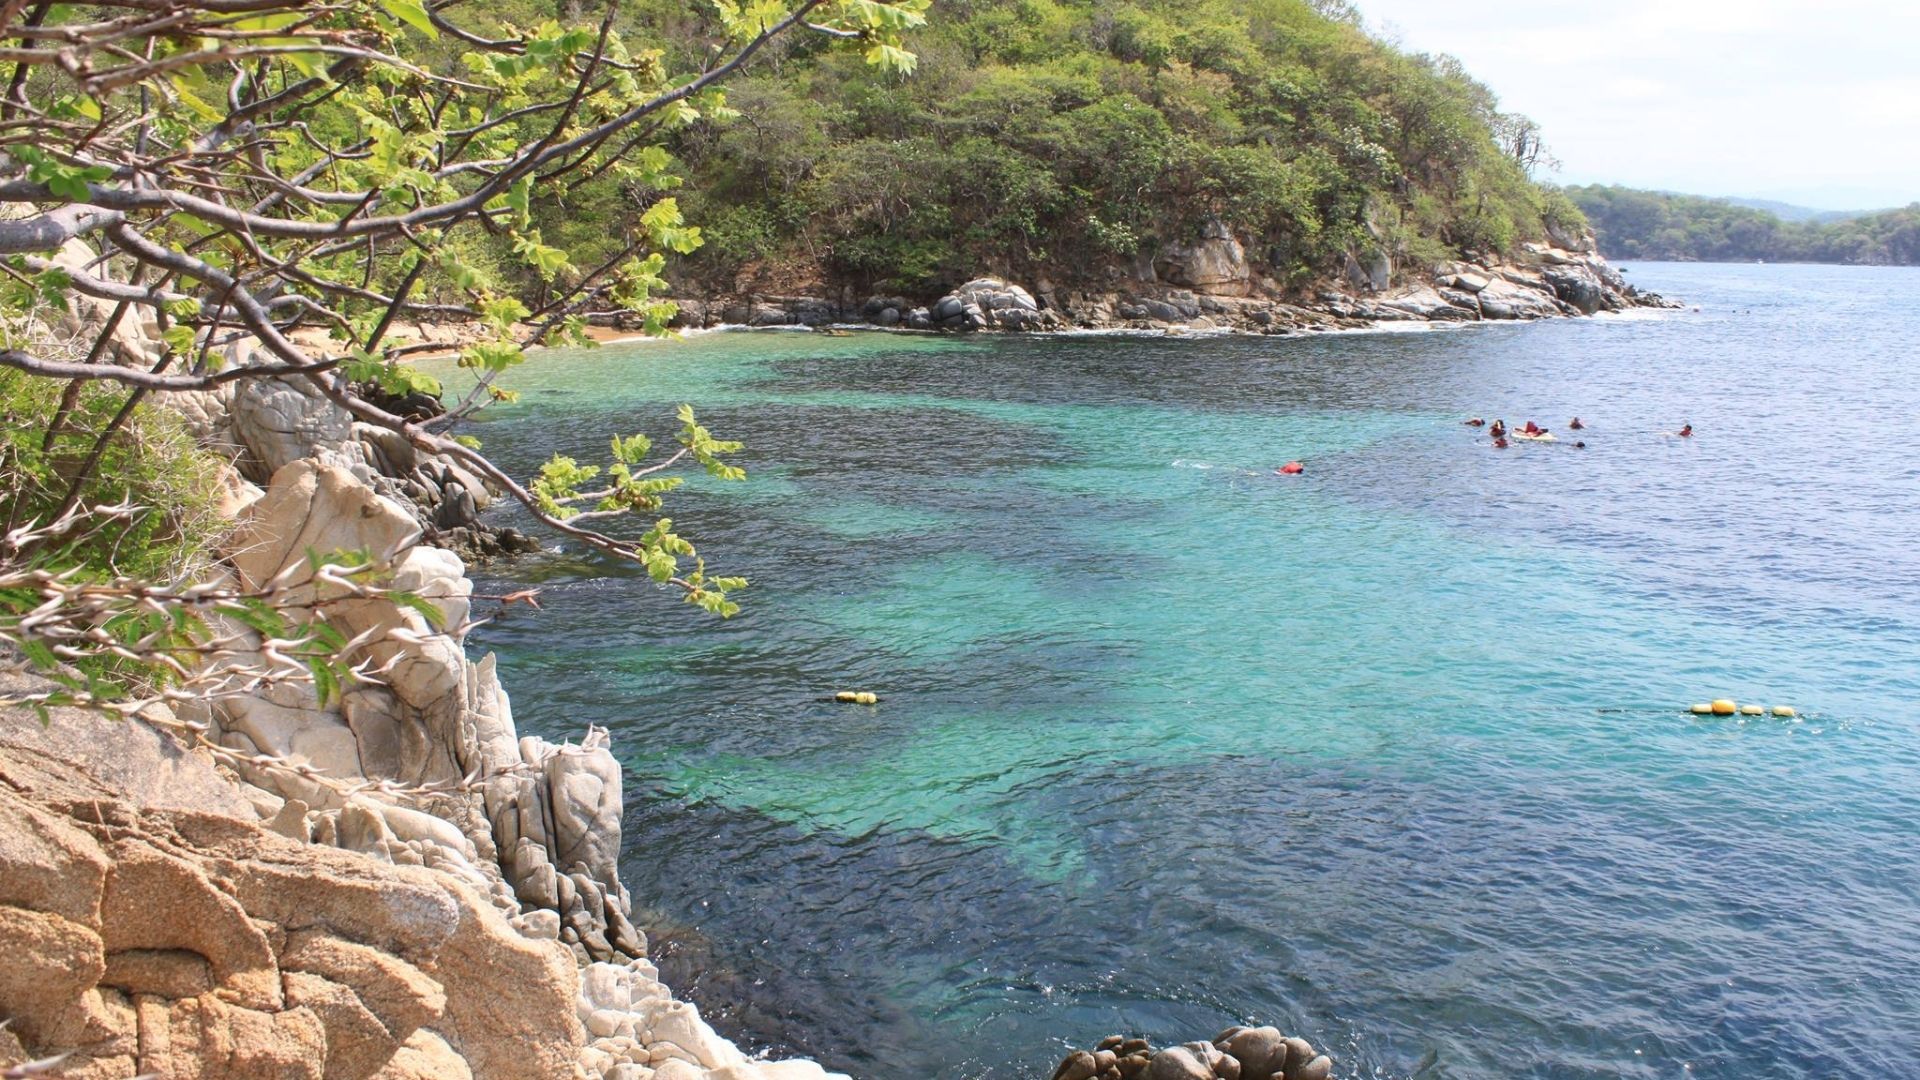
<point>1814,104</point>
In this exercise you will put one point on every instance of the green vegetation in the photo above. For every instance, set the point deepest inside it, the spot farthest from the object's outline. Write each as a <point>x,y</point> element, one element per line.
<point>1655,225</point>
<point>296,179</point>
<point>61,442</point>
<point>1058,138</point>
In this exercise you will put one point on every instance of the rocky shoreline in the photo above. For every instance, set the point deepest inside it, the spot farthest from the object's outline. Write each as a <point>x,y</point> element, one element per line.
<point>1209,286</point>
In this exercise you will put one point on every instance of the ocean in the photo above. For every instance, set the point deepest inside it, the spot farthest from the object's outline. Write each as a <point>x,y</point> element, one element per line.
<point>1394,754</point>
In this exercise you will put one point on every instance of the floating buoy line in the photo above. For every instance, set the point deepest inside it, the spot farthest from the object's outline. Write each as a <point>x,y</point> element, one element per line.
<point>1728,707</point>
<point>1716,707</point>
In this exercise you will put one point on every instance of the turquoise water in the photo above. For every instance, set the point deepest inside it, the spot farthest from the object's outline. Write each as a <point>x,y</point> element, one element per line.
<point>1393,754</point>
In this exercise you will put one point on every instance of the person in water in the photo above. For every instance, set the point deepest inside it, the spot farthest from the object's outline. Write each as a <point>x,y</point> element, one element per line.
<point>1686,432</point>
<point>1575,425</point>
<point>1498,430</point>
<point>1533,429</point>
<point>1499,442</point>
<point>1475,422</point>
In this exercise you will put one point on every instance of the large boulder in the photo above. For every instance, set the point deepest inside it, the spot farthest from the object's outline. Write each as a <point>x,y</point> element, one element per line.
<point>283,420</point>
<point>1427,302</point>
<point>1578,285</point>
<point>1501,298</point>
<point>322,509</point>
<point>989,303</point>
<point>1370,271</point>
<point>1178,1063</point>
<point>1215,263</point>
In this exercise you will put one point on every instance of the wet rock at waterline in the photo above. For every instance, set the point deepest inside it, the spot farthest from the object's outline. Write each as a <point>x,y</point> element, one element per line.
<point>1238,1053</point>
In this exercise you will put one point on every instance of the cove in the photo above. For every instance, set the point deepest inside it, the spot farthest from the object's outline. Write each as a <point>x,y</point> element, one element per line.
<point>1392,754</point>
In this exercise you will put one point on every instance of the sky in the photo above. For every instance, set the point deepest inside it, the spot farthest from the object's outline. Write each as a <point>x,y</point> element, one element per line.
<point>1812,102</point>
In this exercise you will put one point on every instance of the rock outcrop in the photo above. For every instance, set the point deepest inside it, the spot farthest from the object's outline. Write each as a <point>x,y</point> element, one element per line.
<point>990,304</point>
<point>1238,1053</point>
<point>1214,264</point>
<point>540,828</point>
<point>1209,283</point>
<point>152,925</point>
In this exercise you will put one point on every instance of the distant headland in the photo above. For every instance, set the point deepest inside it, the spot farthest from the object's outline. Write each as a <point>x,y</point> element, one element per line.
<point>1636,224</point>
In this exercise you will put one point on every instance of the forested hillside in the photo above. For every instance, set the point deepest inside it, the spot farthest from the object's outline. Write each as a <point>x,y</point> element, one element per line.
<point>1655,225</point>
<point>1058,138</point>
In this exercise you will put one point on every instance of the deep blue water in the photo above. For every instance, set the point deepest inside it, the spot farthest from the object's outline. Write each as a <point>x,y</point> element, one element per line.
<point>1392,754</point>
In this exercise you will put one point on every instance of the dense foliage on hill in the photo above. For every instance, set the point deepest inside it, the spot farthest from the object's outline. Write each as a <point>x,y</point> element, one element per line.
<point>1655,225</point>
<point>1060,137</point>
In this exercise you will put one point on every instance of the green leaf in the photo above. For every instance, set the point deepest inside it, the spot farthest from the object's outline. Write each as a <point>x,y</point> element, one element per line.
<point>519,199</point>
<point>631,450</point>
<point>502,312</point>
<point>891,58</point>
<point>421,605</point>
<point>311,64</point>
<point>179,338</point>
<point>194,101</point>
<point>325,686</point>
<point>413,13</point>
<point>278,20</point>
<point>494,356</point>
<point>549,261</point>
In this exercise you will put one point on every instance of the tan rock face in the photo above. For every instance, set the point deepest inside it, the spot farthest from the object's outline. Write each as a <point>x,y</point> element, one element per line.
<point>310,507</point>
<point>204,947</point>
<point>154,901</point>
<point>51,963</point>
<point>1215,263</point>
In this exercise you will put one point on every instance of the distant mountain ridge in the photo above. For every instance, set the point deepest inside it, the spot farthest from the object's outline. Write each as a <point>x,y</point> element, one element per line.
<point>1786,211</point>
<point>1636,224</point>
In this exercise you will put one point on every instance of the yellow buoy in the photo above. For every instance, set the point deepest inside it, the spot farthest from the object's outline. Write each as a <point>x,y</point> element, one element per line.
<point>866,698</point>
<point>1702,709</point>
<point>1752,710</point>
<point>847,696</point>
<point>1784,710</point>
<point>1724,707</point>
